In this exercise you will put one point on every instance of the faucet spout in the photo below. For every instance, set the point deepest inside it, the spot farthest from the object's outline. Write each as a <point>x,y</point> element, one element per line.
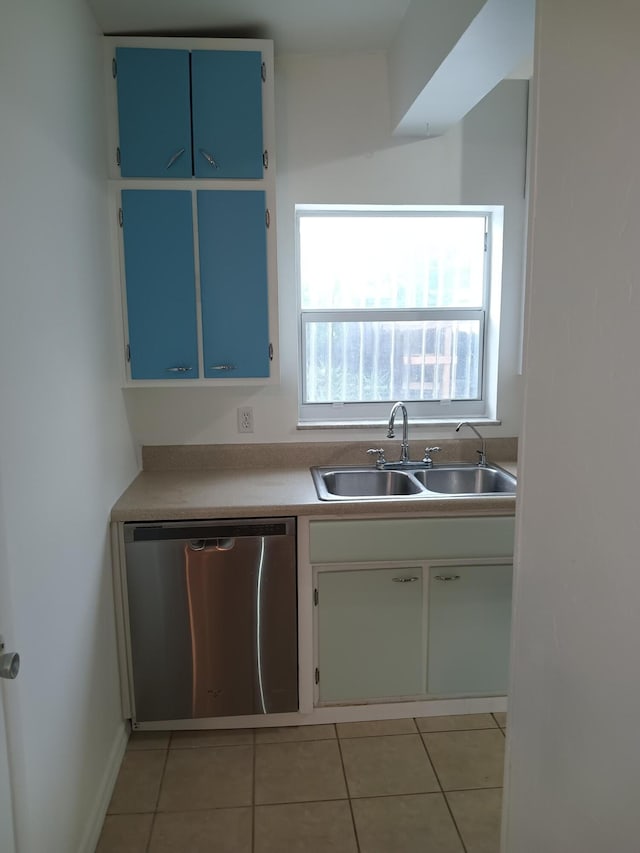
<point>483,451</point>
<point>404,451</point>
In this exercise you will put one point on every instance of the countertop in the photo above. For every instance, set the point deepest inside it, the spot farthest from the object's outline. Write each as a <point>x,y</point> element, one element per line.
<point>236,481</point>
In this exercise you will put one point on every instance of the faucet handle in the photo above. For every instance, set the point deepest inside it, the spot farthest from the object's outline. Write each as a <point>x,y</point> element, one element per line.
<point>427,454</point>
<point>380,461</point>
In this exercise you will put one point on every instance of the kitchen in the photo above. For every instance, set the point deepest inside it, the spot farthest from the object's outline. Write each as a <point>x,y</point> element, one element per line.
<point>69,438</point>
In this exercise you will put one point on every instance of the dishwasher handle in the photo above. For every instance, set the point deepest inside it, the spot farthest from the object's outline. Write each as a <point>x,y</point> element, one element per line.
<point>136,532</point>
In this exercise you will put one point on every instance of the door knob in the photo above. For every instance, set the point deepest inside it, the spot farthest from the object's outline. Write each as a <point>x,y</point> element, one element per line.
<point>9,662</point>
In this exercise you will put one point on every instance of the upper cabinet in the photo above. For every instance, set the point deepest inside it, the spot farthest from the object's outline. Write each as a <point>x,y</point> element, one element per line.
<point>191,135</point>
<point>184,114</point>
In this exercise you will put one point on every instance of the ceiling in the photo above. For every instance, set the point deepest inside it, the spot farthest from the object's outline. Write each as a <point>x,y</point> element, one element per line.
<point>295,26</point>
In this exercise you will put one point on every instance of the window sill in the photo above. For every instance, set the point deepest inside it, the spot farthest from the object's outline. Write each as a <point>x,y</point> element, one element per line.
<point>377,424</point>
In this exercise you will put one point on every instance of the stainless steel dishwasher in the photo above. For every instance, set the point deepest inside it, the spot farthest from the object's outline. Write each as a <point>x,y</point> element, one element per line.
<point>212,618</point>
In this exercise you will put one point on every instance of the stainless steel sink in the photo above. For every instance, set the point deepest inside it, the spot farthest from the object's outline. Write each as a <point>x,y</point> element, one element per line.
<point>363,483</point>
<point>417,481</point>
<point>466,480</point>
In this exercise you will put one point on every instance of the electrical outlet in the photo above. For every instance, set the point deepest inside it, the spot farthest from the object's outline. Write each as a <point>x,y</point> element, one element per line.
<point>245,419</point>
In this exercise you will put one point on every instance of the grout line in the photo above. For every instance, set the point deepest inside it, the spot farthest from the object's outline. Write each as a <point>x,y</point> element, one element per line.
<point>151,828</point>
<point>346,784</point>
<point>155,811</point>
<point>164,770</point>
<point>303,802</point>
<point>442,792</point>
<point>198,810</point>
<point>467,790</point>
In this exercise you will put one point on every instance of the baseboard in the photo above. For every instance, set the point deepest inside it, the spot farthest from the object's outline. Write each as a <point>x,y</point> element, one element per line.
<point>96,817</point>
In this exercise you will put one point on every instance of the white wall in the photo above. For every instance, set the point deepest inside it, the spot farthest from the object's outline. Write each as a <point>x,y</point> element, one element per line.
<point>573,745</point>
<point>66,450</point>
<point>334,144</point>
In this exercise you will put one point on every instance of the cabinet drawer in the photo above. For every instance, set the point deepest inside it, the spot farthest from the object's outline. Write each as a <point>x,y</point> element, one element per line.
<point>410,539</point>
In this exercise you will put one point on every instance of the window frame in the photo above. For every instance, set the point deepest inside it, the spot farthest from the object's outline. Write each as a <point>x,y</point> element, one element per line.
<point>431,411</point>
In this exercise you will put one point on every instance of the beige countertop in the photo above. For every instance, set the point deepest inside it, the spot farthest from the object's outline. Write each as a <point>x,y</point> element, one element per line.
<point>244,481</point>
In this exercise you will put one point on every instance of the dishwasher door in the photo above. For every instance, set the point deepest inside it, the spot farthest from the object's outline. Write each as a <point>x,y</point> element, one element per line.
<point>212,618</point>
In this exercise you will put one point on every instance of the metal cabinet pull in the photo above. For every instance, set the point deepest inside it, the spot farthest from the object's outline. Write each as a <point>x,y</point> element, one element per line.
<point>447,577</point>
<point>222,367</point>
<point>179,369</point>
<point>406,580</point>
<point>174,157</point>
<point>209,158</point>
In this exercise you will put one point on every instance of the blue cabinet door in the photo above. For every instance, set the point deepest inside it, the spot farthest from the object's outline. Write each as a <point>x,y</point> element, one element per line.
<point>233,281</point>
<point>160,283</point>
<point>227,113</point>
<point>154,114</point>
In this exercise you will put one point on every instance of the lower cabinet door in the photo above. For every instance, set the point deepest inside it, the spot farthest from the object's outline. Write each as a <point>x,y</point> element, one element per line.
<point>234,283</point>
<point>160,284</point>
<point>371,642</point>
<point>469,629</point>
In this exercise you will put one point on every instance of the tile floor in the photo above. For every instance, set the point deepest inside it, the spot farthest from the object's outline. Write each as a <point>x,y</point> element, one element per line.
<point>431,784</point>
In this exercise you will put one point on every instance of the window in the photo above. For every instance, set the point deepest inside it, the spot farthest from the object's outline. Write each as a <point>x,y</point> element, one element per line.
<point>394,305</point>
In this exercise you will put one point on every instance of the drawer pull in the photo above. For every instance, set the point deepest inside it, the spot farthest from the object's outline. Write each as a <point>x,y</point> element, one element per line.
<point>222,367</point>
<point>179,369</point>
<point>406,580</point>
<point>175,157</point>
<point>447,577</point>
<point>209,158</point>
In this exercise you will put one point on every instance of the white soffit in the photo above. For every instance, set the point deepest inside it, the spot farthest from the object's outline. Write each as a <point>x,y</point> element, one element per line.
<point>494,43</point>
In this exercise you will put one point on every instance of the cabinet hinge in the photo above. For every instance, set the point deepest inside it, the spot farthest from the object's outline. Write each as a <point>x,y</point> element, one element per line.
<point>265,159</point>
<point>263,71</point>
<point>267,217</point>
<point>315,597</point>
<point>270,352</point>
<point>317,676</point>
<point>120,217</point>
<point>128,352</point>
<point>118,155</point>
<point>114,67</point>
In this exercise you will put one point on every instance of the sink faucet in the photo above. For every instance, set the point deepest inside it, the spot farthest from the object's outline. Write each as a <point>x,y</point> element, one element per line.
<point>404,450</point>
<point>483,451</point>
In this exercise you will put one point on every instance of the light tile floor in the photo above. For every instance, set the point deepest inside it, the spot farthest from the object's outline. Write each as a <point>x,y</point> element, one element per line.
<point>431,784</point>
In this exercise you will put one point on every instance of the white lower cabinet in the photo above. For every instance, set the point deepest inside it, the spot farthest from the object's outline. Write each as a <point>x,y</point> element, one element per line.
<point>370,633</point>
<point>469,629</point>
<point>433,622</point>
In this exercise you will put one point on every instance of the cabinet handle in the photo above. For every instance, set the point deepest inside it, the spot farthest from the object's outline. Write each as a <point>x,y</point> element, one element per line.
<point>179,369</point>
<point>406,580</point>
<point>210,160</point>
<point>174,157</point>
<point>447,577</point>
<point>222,367</point>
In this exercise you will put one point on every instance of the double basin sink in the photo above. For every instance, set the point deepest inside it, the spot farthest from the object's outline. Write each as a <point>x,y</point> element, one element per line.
<point>361,483</point>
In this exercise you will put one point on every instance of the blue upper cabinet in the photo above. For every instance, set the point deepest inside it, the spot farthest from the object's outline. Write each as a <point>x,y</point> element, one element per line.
<point>227,113</point>
<point>154,114</point>
<point>184,114</point>
<point>160,275</point>
<point>233,283</point>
